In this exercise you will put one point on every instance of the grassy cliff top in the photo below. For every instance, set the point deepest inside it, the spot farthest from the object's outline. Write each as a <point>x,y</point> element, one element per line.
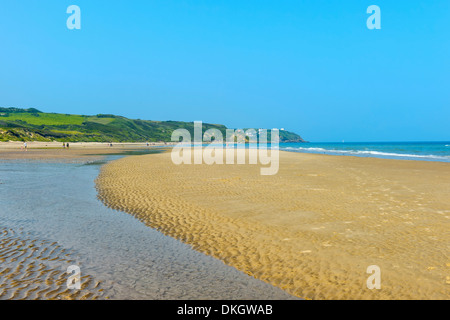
<point>33,125</point>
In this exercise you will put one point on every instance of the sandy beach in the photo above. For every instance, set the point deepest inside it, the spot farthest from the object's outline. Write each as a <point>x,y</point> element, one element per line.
<point>50,218</point>
<point>312,229</point>
<point>77,151</point>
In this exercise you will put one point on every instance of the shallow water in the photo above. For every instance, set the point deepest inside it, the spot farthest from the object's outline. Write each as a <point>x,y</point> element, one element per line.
<point>56,203</point>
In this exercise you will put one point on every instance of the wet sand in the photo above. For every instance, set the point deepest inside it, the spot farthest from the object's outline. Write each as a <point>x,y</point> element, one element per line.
<point>312,229</point>
<point>30,270</point>
<point>50,218</point>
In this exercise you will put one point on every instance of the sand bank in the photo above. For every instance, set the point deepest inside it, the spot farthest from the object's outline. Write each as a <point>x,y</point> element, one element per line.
<point>312,229</point>
<point>50,218</point>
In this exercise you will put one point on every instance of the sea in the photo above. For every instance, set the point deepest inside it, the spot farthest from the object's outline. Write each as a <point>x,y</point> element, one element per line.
<point>424,151</point>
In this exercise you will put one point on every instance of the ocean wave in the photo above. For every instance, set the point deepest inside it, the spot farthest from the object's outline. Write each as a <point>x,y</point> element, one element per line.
<point>369,153</point>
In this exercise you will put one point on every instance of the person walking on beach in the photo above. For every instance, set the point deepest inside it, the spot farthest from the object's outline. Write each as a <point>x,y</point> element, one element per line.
<point>25,146</point>
<point>64,145</point>
<point>67,145</point>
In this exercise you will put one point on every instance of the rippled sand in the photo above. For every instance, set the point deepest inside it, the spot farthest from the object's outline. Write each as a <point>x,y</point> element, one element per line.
<point>50,218</point>
<point>312,229</point>
<point>33,268</point>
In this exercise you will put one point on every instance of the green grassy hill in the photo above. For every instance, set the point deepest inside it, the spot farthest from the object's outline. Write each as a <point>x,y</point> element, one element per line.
<point>33,125</point>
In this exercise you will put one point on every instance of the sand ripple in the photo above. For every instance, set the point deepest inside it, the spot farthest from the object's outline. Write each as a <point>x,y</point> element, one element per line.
<point>312,229</point>
<point>33,268</point>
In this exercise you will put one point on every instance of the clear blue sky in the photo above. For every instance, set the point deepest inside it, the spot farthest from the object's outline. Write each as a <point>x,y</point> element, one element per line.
<point>312,67</point>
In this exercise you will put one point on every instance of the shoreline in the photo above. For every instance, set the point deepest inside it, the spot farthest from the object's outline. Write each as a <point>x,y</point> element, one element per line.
<point>12,149</point>
<point>312,229</point>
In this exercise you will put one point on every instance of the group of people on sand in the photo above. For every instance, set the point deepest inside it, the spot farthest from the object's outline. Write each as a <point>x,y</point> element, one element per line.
<point>25,146</point>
